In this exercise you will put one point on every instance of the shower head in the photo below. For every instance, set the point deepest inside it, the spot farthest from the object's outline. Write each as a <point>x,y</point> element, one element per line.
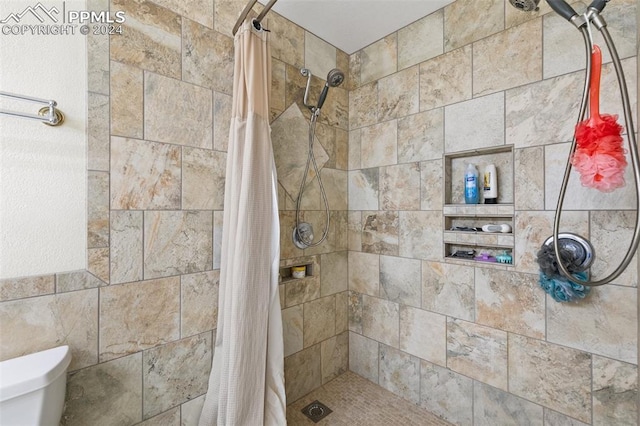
<point>525,5</point>
<point>334,79</point>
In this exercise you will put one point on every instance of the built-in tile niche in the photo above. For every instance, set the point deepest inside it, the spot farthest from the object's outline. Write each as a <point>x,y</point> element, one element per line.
<point>458,215</point>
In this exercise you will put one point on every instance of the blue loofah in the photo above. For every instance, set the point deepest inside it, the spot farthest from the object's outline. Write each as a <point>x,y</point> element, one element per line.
<point>563,290</point>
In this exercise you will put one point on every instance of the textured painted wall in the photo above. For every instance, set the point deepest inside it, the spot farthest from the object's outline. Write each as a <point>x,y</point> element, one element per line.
<point>477,344</point>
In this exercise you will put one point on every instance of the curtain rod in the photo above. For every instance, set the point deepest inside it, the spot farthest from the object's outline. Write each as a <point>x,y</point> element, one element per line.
<point>246,11</point>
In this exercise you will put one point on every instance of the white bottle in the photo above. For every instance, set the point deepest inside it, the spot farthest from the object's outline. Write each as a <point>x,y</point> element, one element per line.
<point>490,185</point>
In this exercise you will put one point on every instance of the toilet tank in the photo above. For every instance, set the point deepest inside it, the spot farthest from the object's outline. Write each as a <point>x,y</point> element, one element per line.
<point>32,387</point>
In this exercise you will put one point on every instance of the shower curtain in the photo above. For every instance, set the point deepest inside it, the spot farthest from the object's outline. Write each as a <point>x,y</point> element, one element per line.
<point>246,385</point>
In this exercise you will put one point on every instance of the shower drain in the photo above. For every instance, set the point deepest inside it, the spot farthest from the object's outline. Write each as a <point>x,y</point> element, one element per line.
<point>316,411</point>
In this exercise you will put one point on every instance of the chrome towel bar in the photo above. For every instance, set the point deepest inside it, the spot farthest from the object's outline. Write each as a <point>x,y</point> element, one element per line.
<point>49,114</point>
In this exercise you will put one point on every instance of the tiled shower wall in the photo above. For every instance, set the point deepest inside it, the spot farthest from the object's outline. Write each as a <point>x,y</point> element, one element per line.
<point>141,320</point>
<point>478,344</point>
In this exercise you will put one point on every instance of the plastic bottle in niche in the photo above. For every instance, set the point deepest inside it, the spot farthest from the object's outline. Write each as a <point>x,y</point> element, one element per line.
<point>471,195</point>
<point>490,190</point>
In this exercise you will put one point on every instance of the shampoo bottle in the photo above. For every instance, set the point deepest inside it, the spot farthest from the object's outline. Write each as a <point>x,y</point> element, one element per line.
<point>490,185</point>
<point>471,195</point>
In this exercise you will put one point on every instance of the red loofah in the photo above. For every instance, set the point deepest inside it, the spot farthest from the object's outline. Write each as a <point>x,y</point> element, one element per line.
<point>599,155</point>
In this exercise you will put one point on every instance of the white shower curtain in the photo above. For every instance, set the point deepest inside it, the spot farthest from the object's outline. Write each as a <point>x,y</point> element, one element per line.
<point>246,386</point>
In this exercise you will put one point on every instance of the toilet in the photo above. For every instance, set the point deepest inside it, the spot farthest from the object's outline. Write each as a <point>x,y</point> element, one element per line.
<point>32,388</point>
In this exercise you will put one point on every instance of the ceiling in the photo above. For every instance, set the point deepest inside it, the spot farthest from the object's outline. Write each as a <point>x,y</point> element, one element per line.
<point>351,25</point>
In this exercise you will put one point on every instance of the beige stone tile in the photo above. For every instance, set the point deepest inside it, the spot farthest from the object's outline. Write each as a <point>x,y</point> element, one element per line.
<point>398,94</point>
<point>611,233</point>
<point>421,40</point>
<point>583,326</point>
<point>335,185</point>
<point>400,373</point>
<point>553,418</point>
<point>126,100</point>
<point>168,418</point>
<point>98,55</point>
<point>335,111</point>
<point>198,10</point>
<point>97,209</point>
<point>334,356</point>
<point>150,38</point>
<point>287,224</point>
<point>287,40</point>
<point>495,407</point>
<point>225,14</point>
<point>218,217</point>
<point>463,121</point>
<point>400,187</point>
<point>363,356</point>
<point>431,187</point>
<point>363,106</point>
<point>342,149</point>
<point>400,280</point>
<point>77,280</point>
<point>333,273</point>
<point>175,373</point>
<point>534,227</point>
<point>510,301</point>
<point>423,334</point>
<point>199,302</point>
<point>62,319</point>
<point>278,85</point>
<point>446,79</point>
<point>449,289</point>
<point>380,232</point>
<point>543,112</point>
<point>144,175</point>
<point>554,376</point>
<point>290,136</point>
<point>138,316</point>
<point>379,145</point>
<point>363,189</point>
<point>466,21</point>
<point>319,320</point>
<point>364,274</point>
<point>478,352</point>
<point>343,62</point>
<point>19,288</point>
<point>192,126</point>
<point>98,132</point>
<point>190,411</point>
<point>446,394</point>
<point>505,49</point>
<point>108,391</point>
<point>342,312</point>
<point>421,136</point>
<point>319,56</point>
<point>126,246</point>
<point>302,372</point>
<point>98,263</point>
<point>379,59</point>
<point>577,196</point>
<point>615,392</point>
<point>177,242</point>
<point>354,309</point>
<point>420,235</point>
<point>292,322</point>
<point>381,320</point>
<point>221,120</point>
<point>207,57</point>
<point>302,291</point>
<point>354,229</point>
<point>203,179</point>
<point>529,179</point>
<point>355,70</point>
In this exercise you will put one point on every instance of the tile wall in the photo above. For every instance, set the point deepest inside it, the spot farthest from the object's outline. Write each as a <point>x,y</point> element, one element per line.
<point>472,344</point>
<point>141,319</point>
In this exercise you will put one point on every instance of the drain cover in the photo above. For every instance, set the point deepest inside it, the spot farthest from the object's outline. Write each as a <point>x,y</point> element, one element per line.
<point>316,411</point>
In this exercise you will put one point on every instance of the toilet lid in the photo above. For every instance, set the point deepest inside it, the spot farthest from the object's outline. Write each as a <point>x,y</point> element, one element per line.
<point>28,373</point>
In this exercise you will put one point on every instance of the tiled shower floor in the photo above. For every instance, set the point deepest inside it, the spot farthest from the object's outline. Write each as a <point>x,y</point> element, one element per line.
<point>357,401</point>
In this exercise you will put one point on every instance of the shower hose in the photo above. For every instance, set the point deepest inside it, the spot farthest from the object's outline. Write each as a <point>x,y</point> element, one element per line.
<point>592,15</point>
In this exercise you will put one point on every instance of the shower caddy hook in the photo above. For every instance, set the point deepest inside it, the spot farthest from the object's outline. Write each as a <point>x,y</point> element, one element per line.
<point>582,22</point>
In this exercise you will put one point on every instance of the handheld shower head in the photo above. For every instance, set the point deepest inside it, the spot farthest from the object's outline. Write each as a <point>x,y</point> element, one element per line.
<point>525,5</point>
<point>334,79</point>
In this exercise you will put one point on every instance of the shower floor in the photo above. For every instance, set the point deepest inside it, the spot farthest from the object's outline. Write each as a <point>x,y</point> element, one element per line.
<point>357,401</point>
